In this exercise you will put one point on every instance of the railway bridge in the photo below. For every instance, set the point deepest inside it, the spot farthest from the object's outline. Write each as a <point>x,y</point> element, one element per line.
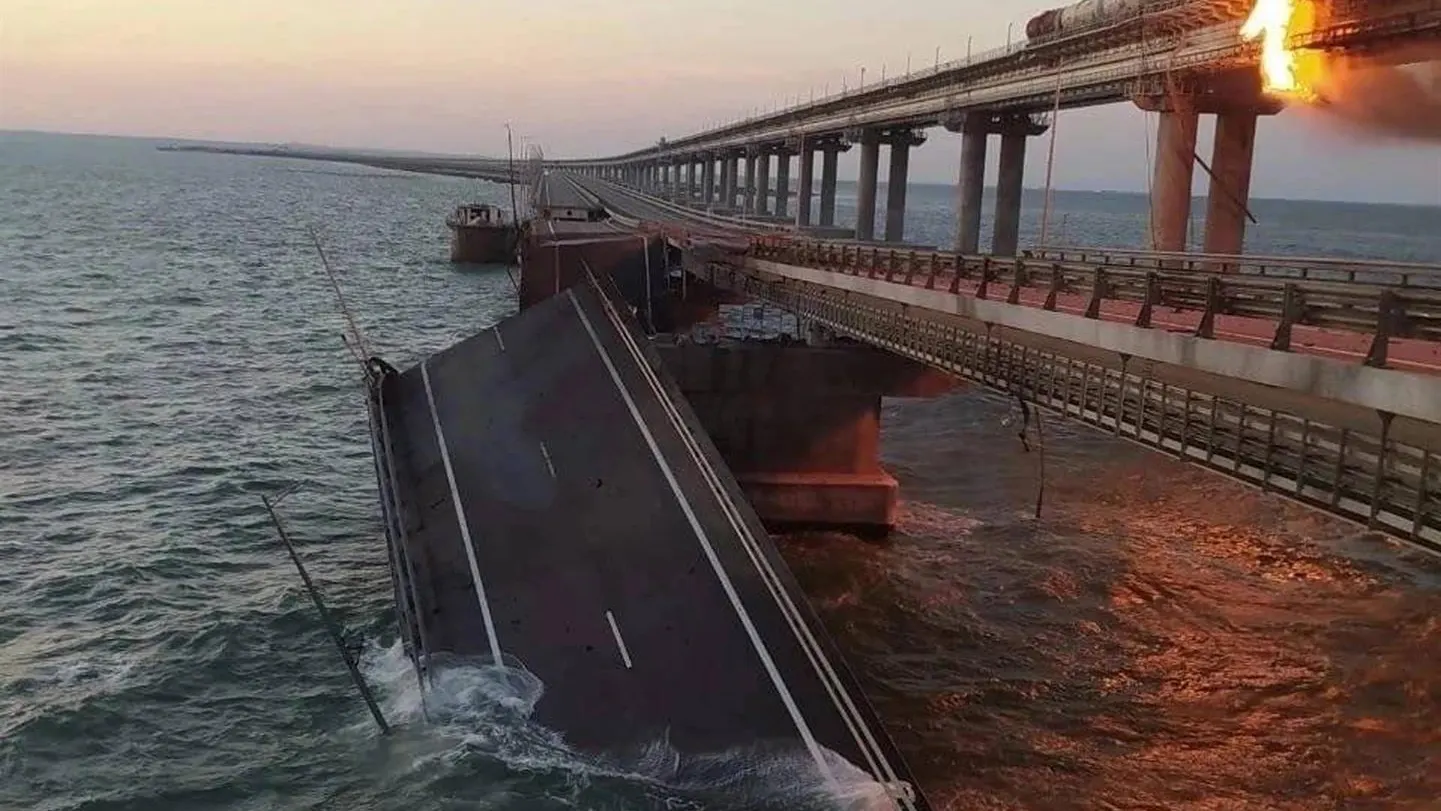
<point>1180,59</point>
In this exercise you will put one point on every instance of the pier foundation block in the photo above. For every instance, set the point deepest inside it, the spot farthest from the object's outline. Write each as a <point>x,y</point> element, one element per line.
<point>799,425</point>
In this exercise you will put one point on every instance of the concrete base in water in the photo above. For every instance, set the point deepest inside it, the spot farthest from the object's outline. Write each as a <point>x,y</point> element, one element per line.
<point>799,425</point>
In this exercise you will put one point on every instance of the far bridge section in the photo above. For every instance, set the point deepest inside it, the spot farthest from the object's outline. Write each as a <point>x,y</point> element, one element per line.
<point>1179,59</point>
<point>1317,380</point>
<point>557,517</point>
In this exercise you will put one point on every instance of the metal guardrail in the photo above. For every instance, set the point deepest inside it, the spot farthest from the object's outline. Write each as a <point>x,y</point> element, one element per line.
<point>1360,271</point>
<point>1382,312</point>
<point>1370,478</point>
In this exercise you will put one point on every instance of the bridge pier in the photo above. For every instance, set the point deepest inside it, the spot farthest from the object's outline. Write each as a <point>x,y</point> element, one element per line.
<point>783,181</point>
<point>830,157</point>
<point>971,185</point>
<point>799,425</point>
<point>1232,156</point>
<point>763,183</point>
<point>707,180</point>
<point>732,160</point>
<point>807,184</point>
<point>1010,183</point>
<point>1237,101</point>
<point>866,183</point>
<point>692,191</point>
<point>1171,182</point>
<point>748,203</point>
<point>897,181</point>
<point>976,127</point>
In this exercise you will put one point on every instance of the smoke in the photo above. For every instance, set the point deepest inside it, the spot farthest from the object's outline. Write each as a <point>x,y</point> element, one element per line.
<point>1396,93</point>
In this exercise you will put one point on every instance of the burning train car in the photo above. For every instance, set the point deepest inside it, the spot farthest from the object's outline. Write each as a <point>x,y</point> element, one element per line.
<point>1080,17</point>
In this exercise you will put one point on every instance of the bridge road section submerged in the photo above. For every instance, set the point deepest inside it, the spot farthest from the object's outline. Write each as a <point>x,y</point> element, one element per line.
<point>558,504</point>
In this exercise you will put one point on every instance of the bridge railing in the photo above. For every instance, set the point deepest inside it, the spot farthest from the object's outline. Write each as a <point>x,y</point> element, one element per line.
<point>1382,312</point>
<point>1330,269</point>
<point>1356,466</point>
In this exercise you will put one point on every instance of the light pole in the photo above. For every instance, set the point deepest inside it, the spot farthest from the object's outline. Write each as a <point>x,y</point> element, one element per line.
<point>510,171</point>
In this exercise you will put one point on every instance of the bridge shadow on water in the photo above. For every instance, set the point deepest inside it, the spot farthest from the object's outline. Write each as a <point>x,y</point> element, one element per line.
<point>1161,638</point>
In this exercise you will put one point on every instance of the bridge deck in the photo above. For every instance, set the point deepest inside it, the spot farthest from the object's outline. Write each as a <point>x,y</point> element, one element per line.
<point>561,508</point>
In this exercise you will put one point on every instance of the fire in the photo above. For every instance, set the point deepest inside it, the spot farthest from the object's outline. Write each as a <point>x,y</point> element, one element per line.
<point>1270,20</point>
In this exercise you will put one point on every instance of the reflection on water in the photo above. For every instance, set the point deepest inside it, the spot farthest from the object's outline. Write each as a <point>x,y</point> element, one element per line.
<point>1161,638</point>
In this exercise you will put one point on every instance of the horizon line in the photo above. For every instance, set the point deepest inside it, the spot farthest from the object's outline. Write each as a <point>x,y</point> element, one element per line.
<point>457,155</point>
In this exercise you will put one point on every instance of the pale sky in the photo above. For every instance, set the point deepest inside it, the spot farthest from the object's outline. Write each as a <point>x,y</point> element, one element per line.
<point>579,76</point>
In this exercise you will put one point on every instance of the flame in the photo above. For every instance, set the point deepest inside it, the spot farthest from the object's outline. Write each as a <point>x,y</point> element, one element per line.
<point>1270,20</point>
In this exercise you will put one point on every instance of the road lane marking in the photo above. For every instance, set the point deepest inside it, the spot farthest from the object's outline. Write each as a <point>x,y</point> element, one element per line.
<point>619,643</point>
<point>865,739</point>
<point>460,517</point>
<point>499,340</point>
<point>544,451</point>
<point>725,582</point>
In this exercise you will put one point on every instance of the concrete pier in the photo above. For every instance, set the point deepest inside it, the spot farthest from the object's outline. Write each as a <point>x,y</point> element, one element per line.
<point>897,181</point>
<point>830,157</point>
<point>763,183</point>
<point>748,202</point>
<point>1231,160</point>
<point>866,186</point>
<point>807,185</point>
<point>970,189</point>
<point>783,182</point>
<point>800,425</point>
<point>1171,185</point>
<point>708,181</point>
<point>1009,191</point>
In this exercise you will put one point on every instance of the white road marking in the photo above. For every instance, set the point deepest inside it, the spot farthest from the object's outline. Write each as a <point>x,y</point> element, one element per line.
<point>460,517</point>
<point>544,451</point>
<point>726,585</point>
<point>862,733</point>
<point>499,340</point>
<point>619,643</point>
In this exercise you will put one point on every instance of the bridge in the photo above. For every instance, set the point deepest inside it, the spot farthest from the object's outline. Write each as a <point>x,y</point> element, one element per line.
<point>1317,380</point>
<point>1178,58</point>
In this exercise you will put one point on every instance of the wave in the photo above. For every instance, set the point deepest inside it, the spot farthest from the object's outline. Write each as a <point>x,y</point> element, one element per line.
<point>483,710</point>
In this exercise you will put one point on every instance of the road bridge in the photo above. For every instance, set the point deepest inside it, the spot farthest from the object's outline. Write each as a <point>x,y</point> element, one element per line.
<point>1320,381</point>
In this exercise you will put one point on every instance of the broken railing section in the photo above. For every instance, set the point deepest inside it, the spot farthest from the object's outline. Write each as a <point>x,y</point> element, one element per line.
<point>1374,471</point>
<point>1384,313</point>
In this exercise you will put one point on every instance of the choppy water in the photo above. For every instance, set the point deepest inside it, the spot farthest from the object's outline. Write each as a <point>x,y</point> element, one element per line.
<point>169,351</point>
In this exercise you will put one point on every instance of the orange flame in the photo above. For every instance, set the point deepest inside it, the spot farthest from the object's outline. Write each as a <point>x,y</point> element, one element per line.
<point>1270,20</point>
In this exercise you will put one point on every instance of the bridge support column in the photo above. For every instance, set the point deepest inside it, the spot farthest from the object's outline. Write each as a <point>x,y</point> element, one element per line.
<point>724,182</point>
<point>807,184</point>
<point>708,181</point>
<point>735,163</point>
<point>692,189</point>
<point>799,426</point>
<point>1009,191</point>
<point>748,202</point>
<point>728,181</point>
<point>830,157</point>
<point>783,181</point>
<point>1226,203</point>
<point>866,185</point>
<point>1171,185</point>
<point>763,183</point>
<point>897,179</point>
<point>970,190</point>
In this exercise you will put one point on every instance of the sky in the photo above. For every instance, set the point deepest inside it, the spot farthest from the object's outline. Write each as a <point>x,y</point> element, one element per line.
<point>581,78</point>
